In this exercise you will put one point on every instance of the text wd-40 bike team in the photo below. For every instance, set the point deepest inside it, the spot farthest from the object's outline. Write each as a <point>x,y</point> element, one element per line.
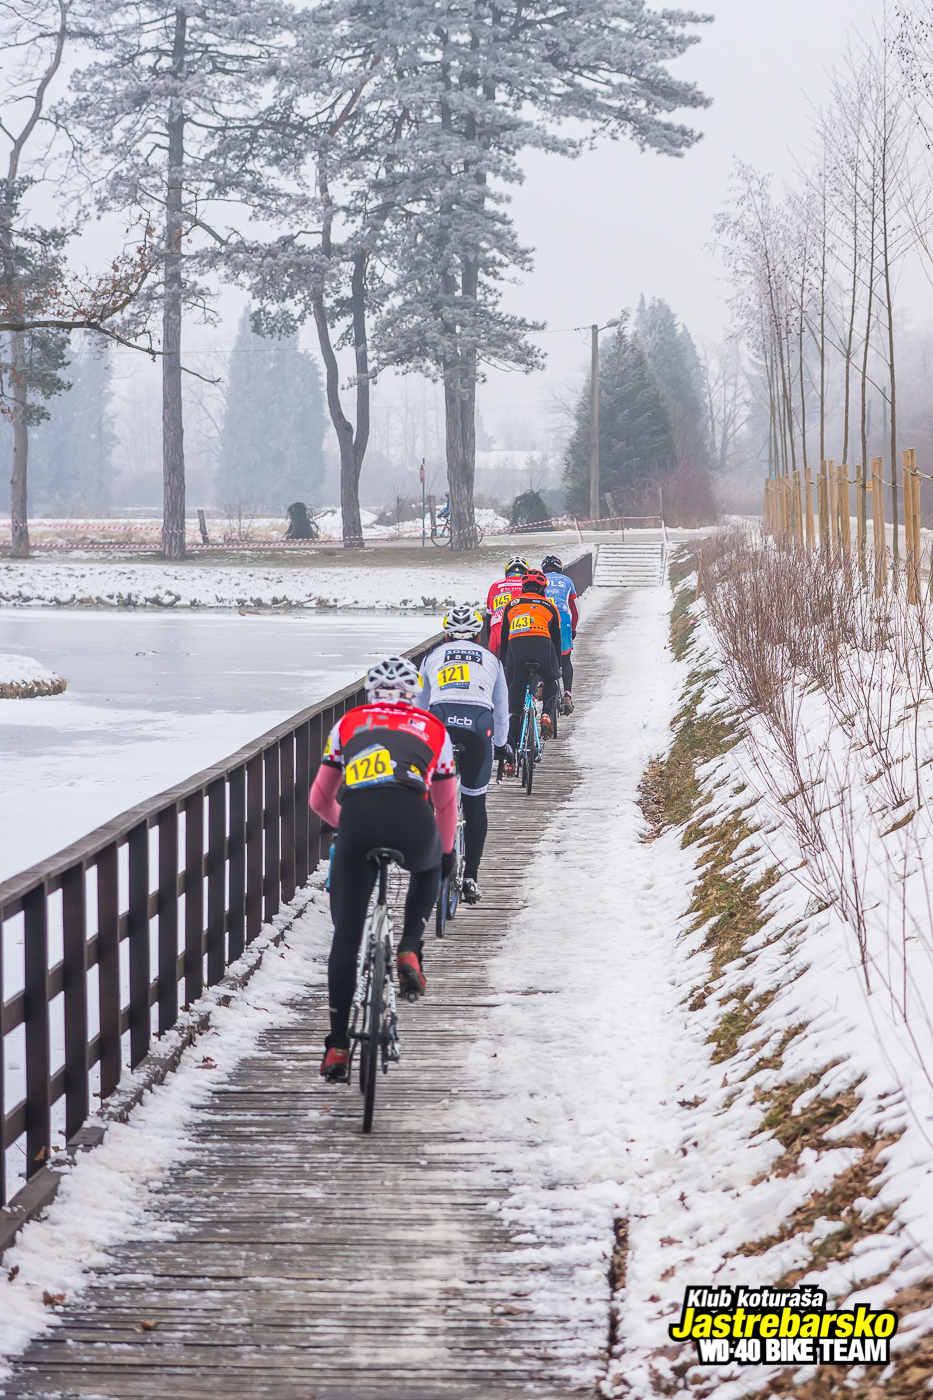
<point>404,777</point>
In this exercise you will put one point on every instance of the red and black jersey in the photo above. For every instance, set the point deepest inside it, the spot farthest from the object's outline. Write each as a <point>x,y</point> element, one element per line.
<point>530,616</point>
<point>503,592</point>
<point>388,743</point>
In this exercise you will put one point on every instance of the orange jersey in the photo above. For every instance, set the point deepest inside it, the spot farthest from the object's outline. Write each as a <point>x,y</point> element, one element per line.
<point>531,616</point>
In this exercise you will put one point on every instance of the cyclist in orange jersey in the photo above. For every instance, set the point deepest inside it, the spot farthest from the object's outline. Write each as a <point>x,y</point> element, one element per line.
<point>531,633</point>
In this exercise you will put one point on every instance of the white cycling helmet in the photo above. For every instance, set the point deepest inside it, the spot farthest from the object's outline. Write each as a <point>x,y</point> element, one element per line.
<point>463,622</point>
<point>395,678</point>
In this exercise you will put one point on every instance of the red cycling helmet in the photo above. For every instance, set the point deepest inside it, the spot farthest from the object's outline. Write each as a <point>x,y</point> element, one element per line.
<point>534,582</point>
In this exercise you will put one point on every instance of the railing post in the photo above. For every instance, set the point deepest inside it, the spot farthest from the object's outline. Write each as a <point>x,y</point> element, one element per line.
<point>302,810</point>
<point>168,918</point>
<point>253,847</point>
<point>270,888</point>
<point>74,985</point>
<point>318,731</point>
<point>194,897</point>
<point>236,845</point>
<point>216,880</point>
<point>138,922</point>
<point>108,969</point>
<point>2,1085</point>
<point>36,960</point>
<point>287,818</point>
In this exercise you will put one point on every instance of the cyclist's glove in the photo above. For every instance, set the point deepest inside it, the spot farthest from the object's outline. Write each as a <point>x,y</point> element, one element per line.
<point>448,864</point>
<point>502,751</point>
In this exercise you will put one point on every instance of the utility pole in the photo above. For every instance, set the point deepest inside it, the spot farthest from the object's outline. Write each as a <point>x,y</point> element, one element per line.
<point>594,423</point>
<point>421,474</point>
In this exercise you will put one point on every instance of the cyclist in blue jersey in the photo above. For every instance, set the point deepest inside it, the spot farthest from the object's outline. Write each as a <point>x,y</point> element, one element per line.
<point>563,594</point>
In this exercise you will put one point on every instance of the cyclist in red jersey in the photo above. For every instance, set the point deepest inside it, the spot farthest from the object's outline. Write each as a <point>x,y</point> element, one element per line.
<point>382,766</point>
<point>503,592</point>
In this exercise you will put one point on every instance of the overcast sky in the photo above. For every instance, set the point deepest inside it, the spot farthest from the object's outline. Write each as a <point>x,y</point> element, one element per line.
<point>615,223</point>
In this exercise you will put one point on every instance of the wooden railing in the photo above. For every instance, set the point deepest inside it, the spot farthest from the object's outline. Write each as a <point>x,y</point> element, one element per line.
<point>123,927</point>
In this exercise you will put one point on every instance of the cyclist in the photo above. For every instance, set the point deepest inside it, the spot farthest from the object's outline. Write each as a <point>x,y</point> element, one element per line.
<point>382,765</point>
<point>563,594</point>
<point>501,594</point>
<point>464,685</point>
<point>531,632</point>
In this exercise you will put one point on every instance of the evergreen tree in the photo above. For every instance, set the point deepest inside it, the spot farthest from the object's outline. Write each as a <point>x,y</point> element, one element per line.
<point>271,439</point>
<point>636,434</point>
<point>71,452</point>
<point>676,364</point>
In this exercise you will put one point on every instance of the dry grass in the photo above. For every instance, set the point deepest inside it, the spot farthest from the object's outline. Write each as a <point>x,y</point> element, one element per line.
<point>31,690</point>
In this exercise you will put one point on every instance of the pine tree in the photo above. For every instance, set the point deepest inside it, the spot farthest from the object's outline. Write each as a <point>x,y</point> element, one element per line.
<point>271,440</point>
<point>636,433</point>
<point>71,453</point>
<point>672,355</point>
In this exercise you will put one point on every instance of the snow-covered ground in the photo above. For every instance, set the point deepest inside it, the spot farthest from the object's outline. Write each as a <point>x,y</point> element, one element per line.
<point>110,583</point>
<point>153,698</point>
<point>24,677</point>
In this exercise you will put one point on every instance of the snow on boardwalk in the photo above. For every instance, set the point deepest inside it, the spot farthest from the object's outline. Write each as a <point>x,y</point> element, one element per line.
<point>462,1250</point>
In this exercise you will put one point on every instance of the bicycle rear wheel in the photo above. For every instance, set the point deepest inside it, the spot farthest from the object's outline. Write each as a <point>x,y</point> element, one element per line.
<point>372,1041</point>
<point>441,907</point>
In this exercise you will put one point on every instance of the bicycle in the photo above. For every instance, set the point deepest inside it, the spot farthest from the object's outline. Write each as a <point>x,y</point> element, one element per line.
<point>528,752</point>
<point>448,898</point>
<point>374,1007</point>
<point>473,536</point>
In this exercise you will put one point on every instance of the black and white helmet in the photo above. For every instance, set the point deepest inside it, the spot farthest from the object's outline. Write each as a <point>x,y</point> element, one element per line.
<point>393,679</point>
<point>550,564</point>
<point>518,565</point>
<point>463,622</point>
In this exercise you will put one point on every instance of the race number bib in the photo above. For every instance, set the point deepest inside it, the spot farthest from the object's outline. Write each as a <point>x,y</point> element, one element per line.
<point>501,600</point>
<point>454,675</point>
<point>522,623</point>
<point>371,766</point>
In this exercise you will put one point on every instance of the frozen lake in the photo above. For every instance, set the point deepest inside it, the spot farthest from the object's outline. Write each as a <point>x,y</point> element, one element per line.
<point>152,698</point>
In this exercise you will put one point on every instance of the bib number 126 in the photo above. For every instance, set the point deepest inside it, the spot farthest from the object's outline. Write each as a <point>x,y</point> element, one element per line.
<point>371,766</point>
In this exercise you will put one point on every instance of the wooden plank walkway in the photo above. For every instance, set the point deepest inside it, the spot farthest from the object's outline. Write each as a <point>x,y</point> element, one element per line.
<point>307,1262</point>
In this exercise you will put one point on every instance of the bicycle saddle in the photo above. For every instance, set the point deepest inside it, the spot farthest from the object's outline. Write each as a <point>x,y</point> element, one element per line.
<point>382,855</point>
<point>532,668</point>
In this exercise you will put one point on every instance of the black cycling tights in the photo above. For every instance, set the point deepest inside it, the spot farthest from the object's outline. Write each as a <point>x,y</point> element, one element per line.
<point>475,826</point>
<point>383,816</point>
<point>566,670</point>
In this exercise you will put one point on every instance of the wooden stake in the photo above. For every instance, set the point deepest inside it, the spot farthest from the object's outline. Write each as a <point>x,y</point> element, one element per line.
<point>798,510</point>
<point>879,539</point>
<point>833,513</point>
<point>842,499</point>
<point>808,518</point>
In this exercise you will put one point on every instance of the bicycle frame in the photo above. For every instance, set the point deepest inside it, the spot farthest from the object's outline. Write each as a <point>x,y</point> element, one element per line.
<point>530,713</point>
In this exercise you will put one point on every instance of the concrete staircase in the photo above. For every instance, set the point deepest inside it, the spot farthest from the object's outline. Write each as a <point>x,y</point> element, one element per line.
<point>632,563</point>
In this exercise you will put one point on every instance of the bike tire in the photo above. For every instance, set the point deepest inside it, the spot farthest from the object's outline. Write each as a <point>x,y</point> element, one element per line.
<point>440,909</point>
<point>370,1049</point>
<point>529,765</point>
<point>553,713</point>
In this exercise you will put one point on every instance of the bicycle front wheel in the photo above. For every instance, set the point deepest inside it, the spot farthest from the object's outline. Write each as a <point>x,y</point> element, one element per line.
<point>528,766</point>
<point>372,1040</point>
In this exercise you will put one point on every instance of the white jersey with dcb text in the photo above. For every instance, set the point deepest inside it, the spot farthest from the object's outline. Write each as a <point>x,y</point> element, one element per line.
<point>459,672</point>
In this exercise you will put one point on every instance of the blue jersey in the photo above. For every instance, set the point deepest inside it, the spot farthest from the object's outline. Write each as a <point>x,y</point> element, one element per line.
<point>560,590</point>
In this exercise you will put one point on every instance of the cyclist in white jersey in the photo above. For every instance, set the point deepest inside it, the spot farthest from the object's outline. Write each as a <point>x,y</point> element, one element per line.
<point>465,687</point>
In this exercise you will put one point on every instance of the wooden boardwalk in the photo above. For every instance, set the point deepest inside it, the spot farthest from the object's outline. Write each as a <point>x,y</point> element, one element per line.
<point>306,1262</point>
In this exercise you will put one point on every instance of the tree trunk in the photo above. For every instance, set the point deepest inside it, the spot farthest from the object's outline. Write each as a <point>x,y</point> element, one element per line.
<point>460,412</point>
<point>173,438</point>
<point>18,517</point>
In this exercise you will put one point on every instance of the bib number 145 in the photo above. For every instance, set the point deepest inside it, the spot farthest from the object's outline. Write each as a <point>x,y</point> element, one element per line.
<point>371,766</point>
